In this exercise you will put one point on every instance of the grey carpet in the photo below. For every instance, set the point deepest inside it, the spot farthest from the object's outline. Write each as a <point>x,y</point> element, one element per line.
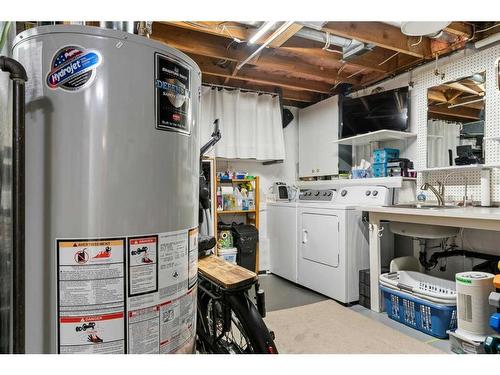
<point>328,327</point>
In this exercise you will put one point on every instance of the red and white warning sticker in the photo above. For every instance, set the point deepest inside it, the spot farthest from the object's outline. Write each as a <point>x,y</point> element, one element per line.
<point>91,296</point>
<point>143,265</point>
<point>92,333</point>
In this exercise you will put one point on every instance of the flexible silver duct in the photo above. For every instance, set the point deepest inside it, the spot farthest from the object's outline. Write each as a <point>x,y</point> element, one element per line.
<point>311,31</point>
<point>127,26</point>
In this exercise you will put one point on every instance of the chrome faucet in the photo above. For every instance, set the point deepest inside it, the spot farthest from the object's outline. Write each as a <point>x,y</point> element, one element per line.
<point>439,194</point>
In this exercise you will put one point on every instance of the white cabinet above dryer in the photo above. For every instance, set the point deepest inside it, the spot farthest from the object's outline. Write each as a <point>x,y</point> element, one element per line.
<point>318,125</point>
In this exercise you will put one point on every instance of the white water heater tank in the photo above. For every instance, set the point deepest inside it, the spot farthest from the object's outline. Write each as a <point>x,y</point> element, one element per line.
<point>112,162</point>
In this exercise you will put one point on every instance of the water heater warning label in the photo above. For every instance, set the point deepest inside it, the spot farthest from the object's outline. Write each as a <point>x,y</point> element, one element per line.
<point>127,295</point>
<point>91,292</point>
<point>172,95</point>
<point>143,265</point>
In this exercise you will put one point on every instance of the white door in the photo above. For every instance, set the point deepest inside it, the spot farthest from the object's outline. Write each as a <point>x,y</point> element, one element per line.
<point>320,238</point>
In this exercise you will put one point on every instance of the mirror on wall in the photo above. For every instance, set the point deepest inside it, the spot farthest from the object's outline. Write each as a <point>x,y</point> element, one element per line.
<point>455,122</point>
<point>497,73</point>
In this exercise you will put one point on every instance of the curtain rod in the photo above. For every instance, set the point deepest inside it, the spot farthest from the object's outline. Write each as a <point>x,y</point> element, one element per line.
<point>239,88</point>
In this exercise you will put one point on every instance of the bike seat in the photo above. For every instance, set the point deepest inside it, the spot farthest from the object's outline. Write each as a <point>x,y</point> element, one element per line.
<point>205,245</point>
<point>225,274</point>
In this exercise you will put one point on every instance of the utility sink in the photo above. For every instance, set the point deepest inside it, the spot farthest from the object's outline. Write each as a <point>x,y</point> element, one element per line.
<point>423,230</point>
<point>425,206</point>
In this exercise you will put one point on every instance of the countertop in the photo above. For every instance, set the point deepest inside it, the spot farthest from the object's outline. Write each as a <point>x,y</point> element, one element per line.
<point>481,213</point>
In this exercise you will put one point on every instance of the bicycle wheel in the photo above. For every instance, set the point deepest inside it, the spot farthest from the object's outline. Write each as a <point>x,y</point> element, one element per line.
<point>244,332</point>
<point>253,325</point>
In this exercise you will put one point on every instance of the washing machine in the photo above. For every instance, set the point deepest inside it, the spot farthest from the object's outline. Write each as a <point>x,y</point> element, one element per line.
<point>333,239</point>
<point>282,233</point>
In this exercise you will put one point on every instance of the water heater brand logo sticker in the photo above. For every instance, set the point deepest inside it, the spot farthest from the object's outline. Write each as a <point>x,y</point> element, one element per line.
<point>73,68</point>
<point>172,95</point>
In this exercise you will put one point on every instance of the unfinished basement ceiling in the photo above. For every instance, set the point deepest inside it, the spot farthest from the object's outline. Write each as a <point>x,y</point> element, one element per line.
<point>309,61</point>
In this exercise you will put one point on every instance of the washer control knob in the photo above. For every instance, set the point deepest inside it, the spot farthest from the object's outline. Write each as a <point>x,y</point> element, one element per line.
<point>367,193</point>
<point>374,193</point>
<point>343,193</point>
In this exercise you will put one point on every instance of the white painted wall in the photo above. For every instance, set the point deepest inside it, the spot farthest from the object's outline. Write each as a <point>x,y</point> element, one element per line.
<point>455,66</point>
<point>285,172</point>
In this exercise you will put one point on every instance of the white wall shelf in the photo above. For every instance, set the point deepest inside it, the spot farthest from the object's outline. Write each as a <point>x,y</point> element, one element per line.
<point>377,136</point>
<point>495,138</point>
<point>391,182</point>
<point>458,167</point>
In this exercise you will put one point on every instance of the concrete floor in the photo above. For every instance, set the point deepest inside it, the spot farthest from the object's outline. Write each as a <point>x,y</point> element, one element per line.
<point>283,294</point>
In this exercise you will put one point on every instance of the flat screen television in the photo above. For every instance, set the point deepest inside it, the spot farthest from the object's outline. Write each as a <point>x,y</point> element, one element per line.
<point>384,110</point>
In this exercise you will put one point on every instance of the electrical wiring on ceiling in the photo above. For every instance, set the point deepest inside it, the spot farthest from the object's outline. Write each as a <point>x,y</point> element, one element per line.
<point>359,71</point>
<point>327,44</point>
<point>417,43</point>
<point>488,28</point>
<point>389,58</point>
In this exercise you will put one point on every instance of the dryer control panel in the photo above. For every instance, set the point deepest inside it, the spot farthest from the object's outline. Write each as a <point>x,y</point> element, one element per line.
<point>364,195</point>
<point>325,195</point>
<point>357,195</point>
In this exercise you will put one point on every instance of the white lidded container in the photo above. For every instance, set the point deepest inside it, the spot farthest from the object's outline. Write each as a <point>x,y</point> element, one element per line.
<point>112,163</point>
<point>228,254</point>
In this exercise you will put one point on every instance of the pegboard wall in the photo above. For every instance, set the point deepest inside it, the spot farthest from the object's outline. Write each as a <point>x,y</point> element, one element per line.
<point>464,64</point>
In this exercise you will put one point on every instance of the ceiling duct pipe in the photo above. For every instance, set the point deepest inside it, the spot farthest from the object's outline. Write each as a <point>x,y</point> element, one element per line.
<point>127,26</point>
<point>313,31</point>
<point>350,47</point>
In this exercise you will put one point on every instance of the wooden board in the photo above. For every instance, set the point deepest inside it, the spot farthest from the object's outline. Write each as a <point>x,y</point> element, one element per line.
<point>224,273</point>
<point>236,212</point>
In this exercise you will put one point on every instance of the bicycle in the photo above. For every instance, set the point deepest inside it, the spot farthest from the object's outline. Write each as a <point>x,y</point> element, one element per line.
<point>228,322</point>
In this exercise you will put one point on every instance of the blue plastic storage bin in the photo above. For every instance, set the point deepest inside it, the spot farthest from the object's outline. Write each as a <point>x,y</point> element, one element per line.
<point>360,173</point>
<point>422,315</point>
<point>379,170</point>
<point>385,154</point>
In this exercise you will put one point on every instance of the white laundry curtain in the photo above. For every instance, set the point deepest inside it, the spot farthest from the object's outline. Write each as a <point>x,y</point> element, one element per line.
<point>250,124</point>
<point>441,137</point>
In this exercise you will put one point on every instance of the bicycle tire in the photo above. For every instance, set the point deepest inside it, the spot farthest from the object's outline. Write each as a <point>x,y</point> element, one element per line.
<point>253,324</point>
<point>249,318</point>
<point>203,334</point>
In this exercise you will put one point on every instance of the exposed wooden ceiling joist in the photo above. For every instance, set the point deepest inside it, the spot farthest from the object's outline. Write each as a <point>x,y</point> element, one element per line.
<point>461,87</point>
<point>209,67</point>
<point>382,35</point>
<point>460,29</point>
<point>281,39</point>
<point>294,45</point>
<point>437,96</point>
<point>461,112</point>
<point>207,45</point>
<point>305,97</point>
